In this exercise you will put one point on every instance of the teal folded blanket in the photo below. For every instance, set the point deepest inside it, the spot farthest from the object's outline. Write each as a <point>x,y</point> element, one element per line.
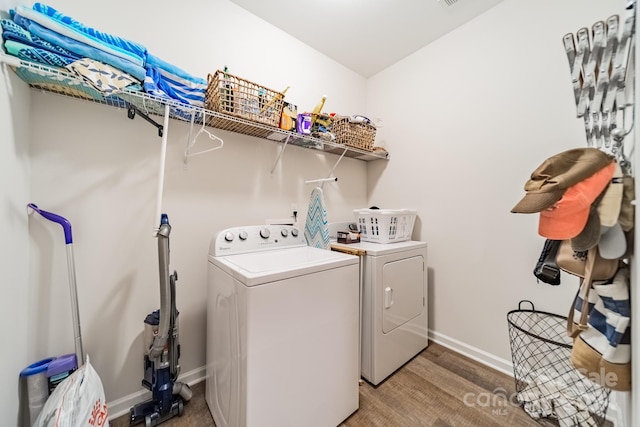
<point>34,54</point>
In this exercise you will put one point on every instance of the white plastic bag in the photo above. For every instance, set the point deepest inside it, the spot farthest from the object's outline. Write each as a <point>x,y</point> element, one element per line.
<point>78,401</point>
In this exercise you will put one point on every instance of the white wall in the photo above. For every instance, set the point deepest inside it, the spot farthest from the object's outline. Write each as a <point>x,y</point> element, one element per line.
<point>467,119</point>
<point>94,166</point>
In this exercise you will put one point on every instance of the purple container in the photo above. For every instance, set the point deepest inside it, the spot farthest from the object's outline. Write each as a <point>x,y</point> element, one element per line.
<point>60,368</point>
<point>303,124</point>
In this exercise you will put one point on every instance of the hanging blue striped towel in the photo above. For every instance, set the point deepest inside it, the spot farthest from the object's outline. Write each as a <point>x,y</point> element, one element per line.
<point>316,229</point>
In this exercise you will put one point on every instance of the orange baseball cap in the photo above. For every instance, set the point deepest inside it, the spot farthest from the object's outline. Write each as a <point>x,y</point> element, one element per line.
<point>568,216</point>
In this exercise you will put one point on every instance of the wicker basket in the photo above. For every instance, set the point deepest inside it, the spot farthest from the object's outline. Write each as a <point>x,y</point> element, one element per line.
<point>358,135</point>
<point>234,96</point>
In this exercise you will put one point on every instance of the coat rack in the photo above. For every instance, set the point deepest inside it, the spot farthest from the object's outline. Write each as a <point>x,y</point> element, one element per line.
<point>601,63</point>
<point>602,67</point>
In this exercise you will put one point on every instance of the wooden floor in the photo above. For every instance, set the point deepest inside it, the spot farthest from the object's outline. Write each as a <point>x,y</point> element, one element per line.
<point>438,388</point>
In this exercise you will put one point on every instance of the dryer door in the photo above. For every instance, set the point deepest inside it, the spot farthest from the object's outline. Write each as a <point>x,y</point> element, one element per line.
<point>403,291</point>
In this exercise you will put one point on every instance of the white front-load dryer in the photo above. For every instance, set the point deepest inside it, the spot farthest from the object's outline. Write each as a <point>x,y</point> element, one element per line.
<point>282,330</point>
<point>394,324</point>
<point>394,306</point>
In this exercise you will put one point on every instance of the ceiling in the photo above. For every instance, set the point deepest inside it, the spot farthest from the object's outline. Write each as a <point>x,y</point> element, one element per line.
<point>367,36</point>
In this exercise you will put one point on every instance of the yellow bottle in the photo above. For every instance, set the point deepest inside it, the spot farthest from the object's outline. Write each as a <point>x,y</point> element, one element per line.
<point>318,109</point>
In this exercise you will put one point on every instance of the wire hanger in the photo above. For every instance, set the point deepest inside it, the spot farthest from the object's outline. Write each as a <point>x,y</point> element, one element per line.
<point>192,140</point>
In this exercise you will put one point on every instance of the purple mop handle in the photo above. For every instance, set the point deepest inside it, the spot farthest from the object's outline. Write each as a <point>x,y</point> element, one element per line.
<point>66,225</point>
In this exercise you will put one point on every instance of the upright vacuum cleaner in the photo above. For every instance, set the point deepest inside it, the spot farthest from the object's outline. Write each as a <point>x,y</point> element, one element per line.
<point>162,348</point>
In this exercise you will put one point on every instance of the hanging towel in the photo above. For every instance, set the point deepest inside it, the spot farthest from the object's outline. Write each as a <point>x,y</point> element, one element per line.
<point>316,229</point>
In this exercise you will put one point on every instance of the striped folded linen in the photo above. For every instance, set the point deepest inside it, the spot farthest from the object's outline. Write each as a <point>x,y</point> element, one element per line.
<point>14,32</point>
<point>81,49</point>
<point>174,82</point>
<point>34,54</point>
<point>158,77</point>
<point>110,39</point>
<point>72,29</point>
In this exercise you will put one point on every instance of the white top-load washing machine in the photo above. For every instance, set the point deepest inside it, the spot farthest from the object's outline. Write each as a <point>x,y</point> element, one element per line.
<point>394,303</point>
<point>282,330</point>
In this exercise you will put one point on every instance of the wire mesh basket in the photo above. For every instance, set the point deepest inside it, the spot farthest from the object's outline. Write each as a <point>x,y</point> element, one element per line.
<point>548,387</point>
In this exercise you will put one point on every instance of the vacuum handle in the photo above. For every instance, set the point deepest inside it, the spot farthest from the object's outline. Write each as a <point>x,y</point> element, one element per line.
<point>66,225</point>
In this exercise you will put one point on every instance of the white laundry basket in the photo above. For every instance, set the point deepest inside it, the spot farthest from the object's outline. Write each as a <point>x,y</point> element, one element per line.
<point>385,225</point>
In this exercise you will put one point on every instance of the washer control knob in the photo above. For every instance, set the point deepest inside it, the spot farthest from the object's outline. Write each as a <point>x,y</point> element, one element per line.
<point>264,233</point>
<point>284,232</point>
<point>243,235</point>
<point>294,232</point>
<point>228,237</point>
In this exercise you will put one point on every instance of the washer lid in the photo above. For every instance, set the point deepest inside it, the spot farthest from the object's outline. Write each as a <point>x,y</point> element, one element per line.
<point>257,268</point>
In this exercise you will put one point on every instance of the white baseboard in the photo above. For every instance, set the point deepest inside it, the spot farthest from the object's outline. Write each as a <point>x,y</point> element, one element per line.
<point>506,366</point>
<point>120,407</point>
<point>488,359</point>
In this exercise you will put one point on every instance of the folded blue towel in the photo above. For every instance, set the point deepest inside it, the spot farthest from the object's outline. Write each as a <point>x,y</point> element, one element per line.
<point>163,77</point>
<point>34,54</point>
<point>13,31</point>
<point>156,85</point>
<point>61,33</point>
<point>64,25</point>
<point>79,48</point>
<point>110,39</point>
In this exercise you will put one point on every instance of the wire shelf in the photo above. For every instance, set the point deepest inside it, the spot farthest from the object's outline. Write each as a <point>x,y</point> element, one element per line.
<point>62,82</point>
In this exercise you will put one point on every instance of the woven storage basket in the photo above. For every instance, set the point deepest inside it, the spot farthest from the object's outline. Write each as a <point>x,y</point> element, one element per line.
<point>235,96</point>
<point>358,135</point>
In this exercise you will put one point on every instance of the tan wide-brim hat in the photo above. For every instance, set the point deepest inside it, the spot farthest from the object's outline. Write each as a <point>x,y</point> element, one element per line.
<point>551,179</point>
